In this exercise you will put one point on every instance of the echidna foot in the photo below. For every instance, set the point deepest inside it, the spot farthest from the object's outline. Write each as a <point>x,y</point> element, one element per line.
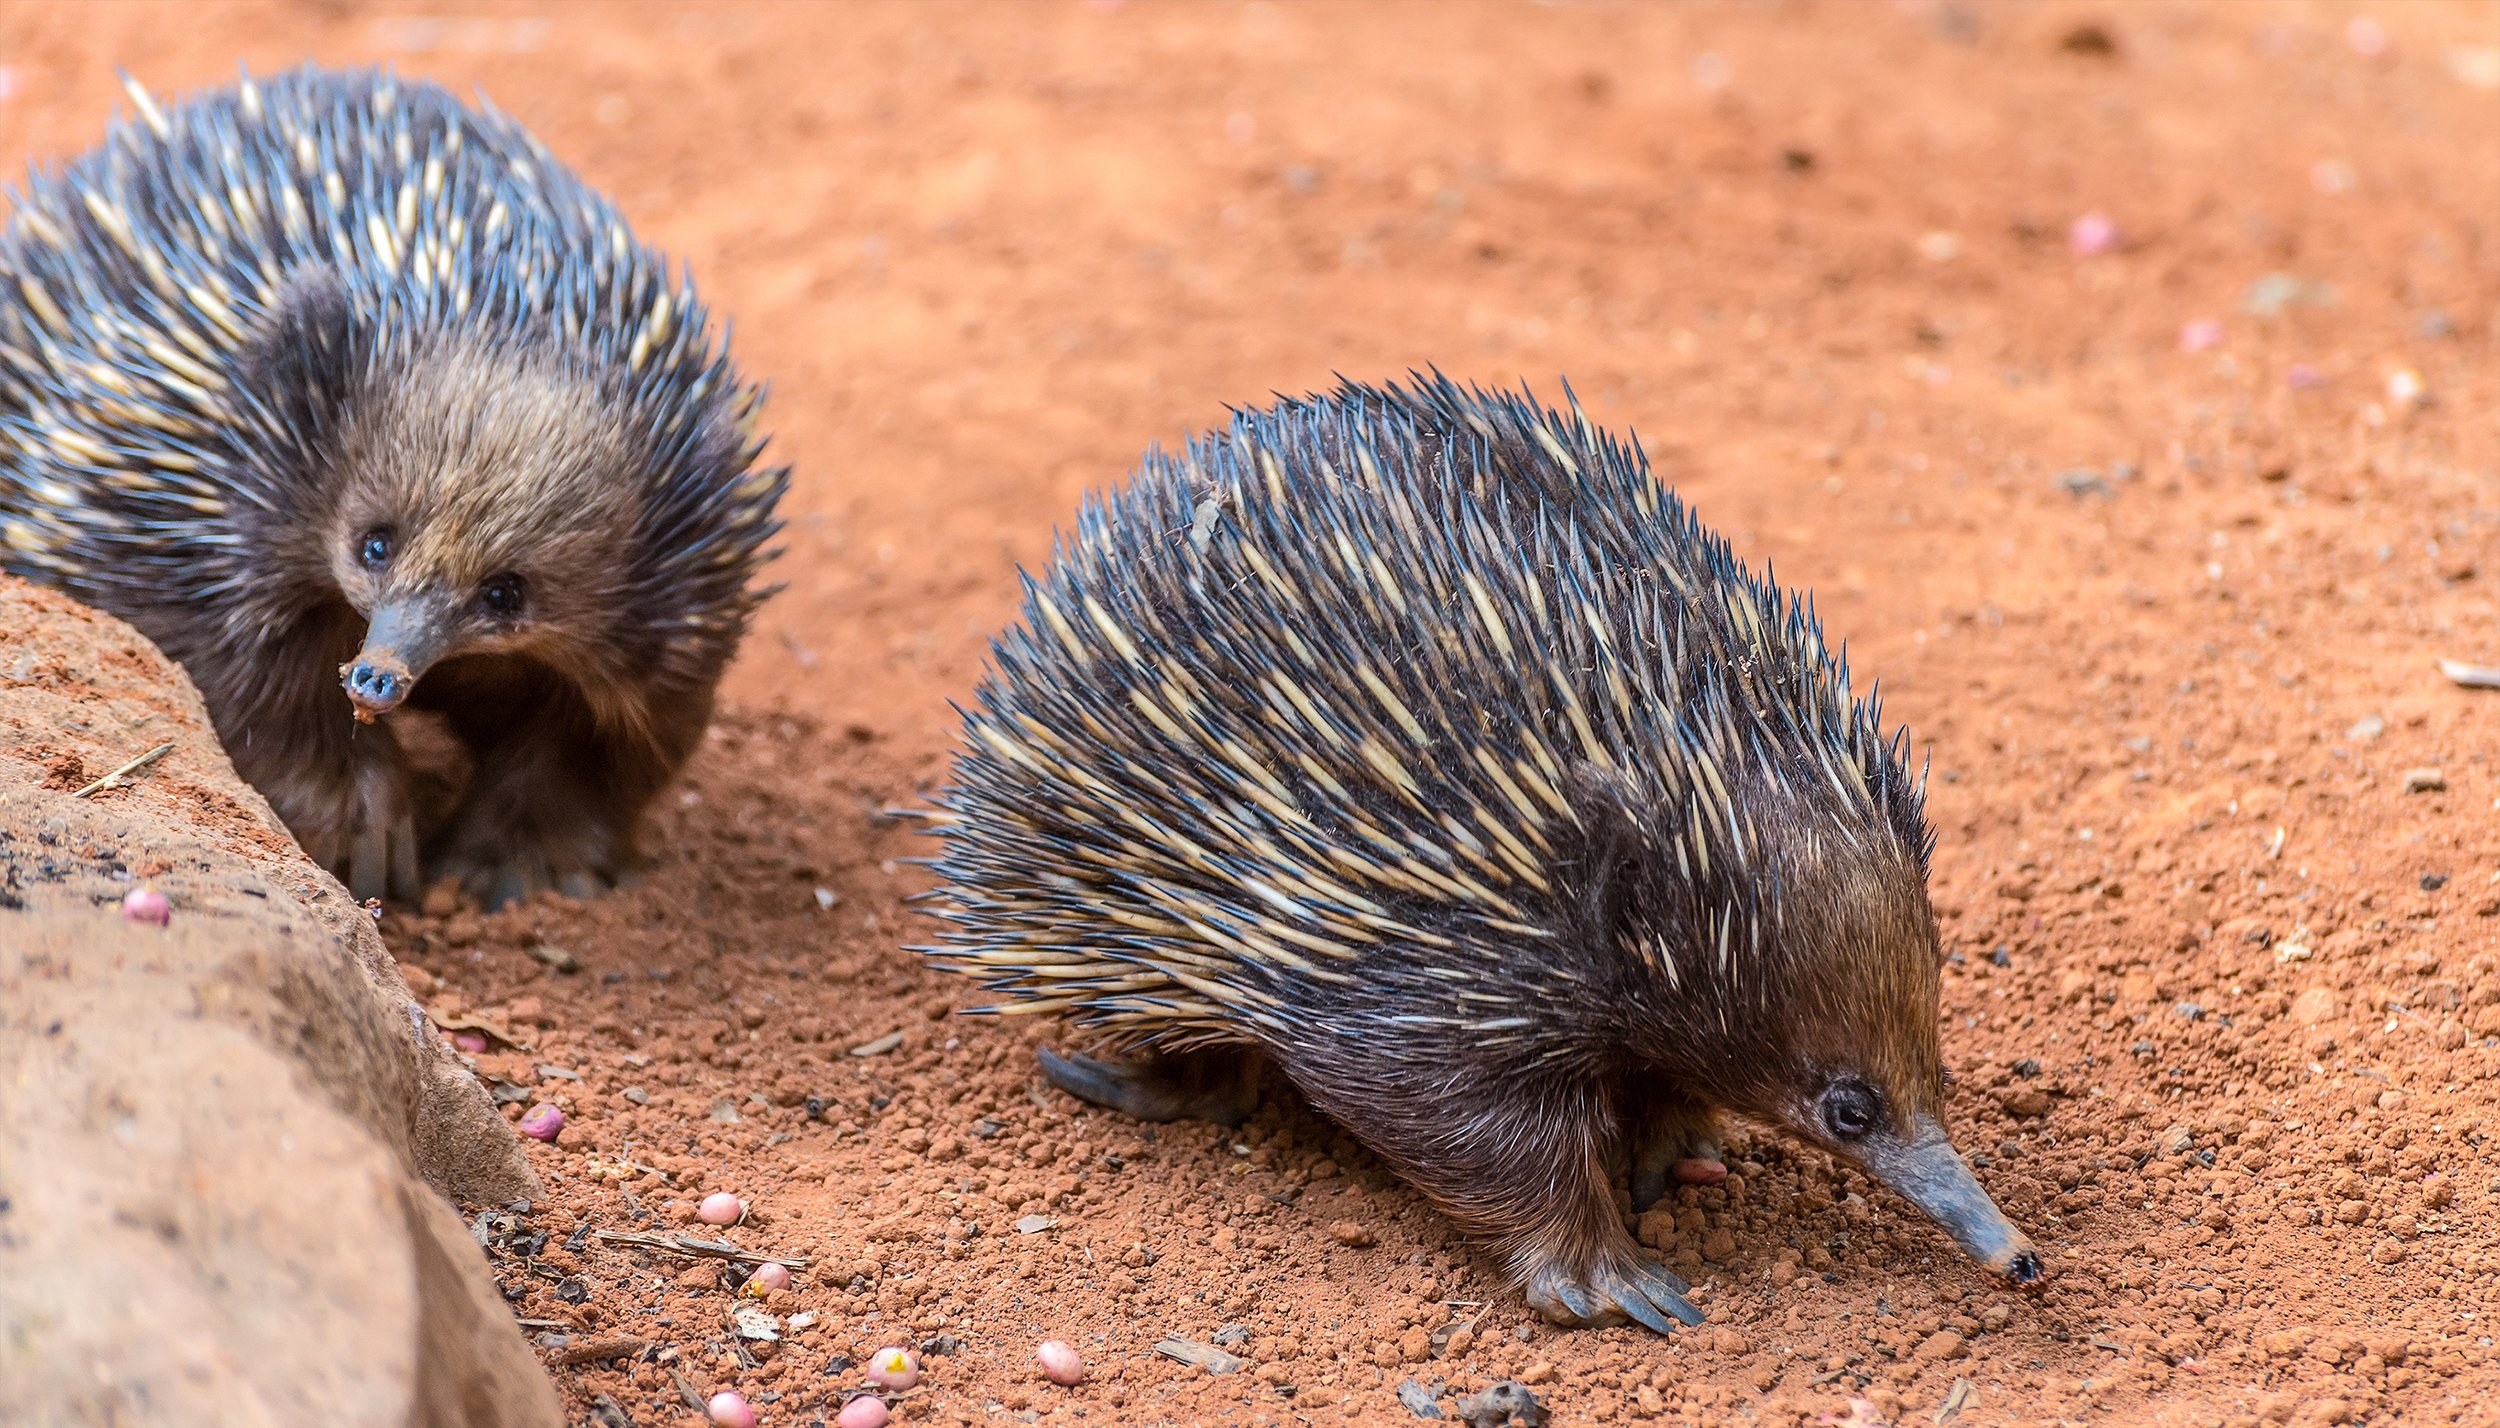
<point>504,851</point>
<point>1616,1288</point>
<point>382,862</point>
<point>1671,1142</point>
<point>498,884</point>
<point>1218,1086</point>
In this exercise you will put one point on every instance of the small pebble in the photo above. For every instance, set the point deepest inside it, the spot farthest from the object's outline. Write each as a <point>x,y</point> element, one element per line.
<point>893,1368</point>
<point>146,904</point>
<point>1060,1361</point>
<point>542,1122</point>
<point>720,1208</point>
<point>730,1410</point>
<point>2406,388</point>
<point>2202,334</point>
<point>1698,1172</point>
<point>768,1278</point>
<point>865,1411</point>
<point>2092,235</point>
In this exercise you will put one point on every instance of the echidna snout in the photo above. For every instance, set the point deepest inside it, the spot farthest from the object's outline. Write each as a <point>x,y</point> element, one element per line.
<point>1421,742</point>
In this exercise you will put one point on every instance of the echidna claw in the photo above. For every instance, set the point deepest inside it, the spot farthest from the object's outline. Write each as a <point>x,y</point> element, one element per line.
<point>1628,1287</point>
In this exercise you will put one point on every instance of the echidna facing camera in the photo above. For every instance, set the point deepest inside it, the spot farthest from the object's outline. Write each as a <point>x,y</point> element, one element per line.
<point>332,379</point>
<point>1422,742</point>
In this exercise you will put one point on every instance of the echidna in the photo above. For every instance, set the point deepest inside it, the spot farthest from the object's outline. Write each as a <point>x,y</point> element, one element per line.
<point>1421,740</point>
<point>333,376</point>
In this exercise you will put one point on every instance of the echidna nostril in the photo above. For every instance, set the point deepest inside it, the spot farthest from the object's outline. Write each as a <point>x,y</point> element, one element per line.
<point>2025,1268</point>
<point>373,686</point>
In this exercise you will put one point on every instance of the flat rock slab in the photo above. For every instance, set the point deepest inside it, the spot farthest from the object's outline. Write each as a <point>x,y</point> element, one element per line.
<point>225,1143</point>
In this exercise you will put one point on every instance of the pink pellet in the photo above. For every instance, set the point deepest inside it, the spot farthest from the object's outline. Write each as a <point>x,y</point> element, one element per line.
<point>1698,1172</point>
<point>146,904</point>
<point>2092,235</point>
<point>893,1368</point>
<point>2202,334</point>
<point>720,1208</point>
<point>769,1277</point>
<point>1060,1361</point>
<point>731,1410</point>
<point>542,1122</point>
<point>865,1411</point>
<point>470,1042</point>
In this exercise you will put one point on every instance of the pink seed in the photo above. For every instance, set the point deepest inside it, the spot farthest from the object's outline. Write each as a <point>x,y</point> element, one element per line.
<point>470,1042</point>
<point>1698,1172</point>
<point>720,1208</point>
<point>1060,1361</point>
<point>2201,335</point>
<point>729,1410</point>
<point>542,1122</point>
<point>893,1368</point>
<point>146,904</point>
<point>768,1277</point>
<point>865,1411</point>
<point>2092,235</point>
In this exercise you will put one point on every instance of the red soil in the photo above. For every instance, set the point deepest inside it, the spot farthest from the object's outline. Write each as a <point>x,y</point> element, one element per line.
<point>2166,619</point>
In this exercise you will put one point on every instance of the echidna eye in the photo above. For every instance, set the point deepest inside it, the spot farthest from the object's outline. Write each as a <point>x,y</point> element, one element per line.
<point>374,547</point>
<point>1851,1108</point>
<point>502,596</point>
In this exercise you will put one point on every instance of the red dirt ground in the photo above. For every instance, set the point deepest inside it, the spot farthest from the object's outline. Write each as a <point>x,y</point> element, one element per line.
<point>2166,619</point>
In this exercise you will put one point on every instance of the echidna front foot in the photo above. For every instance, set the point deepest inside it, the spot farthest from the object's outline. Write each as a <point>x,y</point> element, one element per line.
<point>355,818</point>
<point>1219,1086</point>
<point>383,862</point>
<point>1618,1285</point>
<point>1675,1143</point>
<point>533,823</point>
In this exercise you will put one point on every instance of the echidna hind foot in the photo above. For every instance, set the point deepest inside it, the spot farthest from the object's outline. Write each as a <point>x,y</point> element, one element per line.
<point>1219,1085</point>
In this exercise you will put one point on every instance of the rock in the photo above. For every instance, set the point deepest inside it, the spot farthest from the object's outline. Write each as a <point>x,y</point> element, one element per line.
<point>2315,1005</point>
<point>1939,1346</point>
<point>1502,1406</point>
<point>206,1082</point>
<point>1352,1232</point>
<point>1419,1400</point>
<point>2425,780</point>
<point>2028,1102</point>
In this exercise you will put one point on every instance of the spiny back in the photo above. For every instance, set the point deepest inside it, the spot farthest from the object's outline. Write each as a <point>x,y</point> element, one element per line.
<point>137,285</point>
<point>1318,701</point>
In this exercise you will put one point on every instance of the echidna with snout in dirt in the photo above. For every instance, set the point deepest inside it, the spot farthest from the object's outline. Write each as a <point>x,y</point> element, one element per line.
<point>334,379</point>
<point>1423,742</point>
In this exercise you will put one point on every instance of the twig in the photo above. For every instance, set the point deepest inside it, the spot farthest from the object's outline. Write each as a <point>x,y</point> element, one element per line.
<point>115,777</point>
<point>597,1350</point>
<point>687,1391</point>
<point>694,1248</point>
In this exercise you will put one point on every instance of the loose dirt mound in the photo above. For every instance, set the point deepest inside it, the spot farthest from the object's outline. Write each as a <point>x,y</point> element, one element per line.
<point>2144,533</point>
<point>216,1135</point>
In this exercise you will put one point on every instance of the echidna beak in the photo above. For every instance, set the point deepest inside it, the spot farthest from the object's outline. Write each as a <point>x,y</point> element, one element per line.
<point>1928,1172</point>
<point>400,642</point>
